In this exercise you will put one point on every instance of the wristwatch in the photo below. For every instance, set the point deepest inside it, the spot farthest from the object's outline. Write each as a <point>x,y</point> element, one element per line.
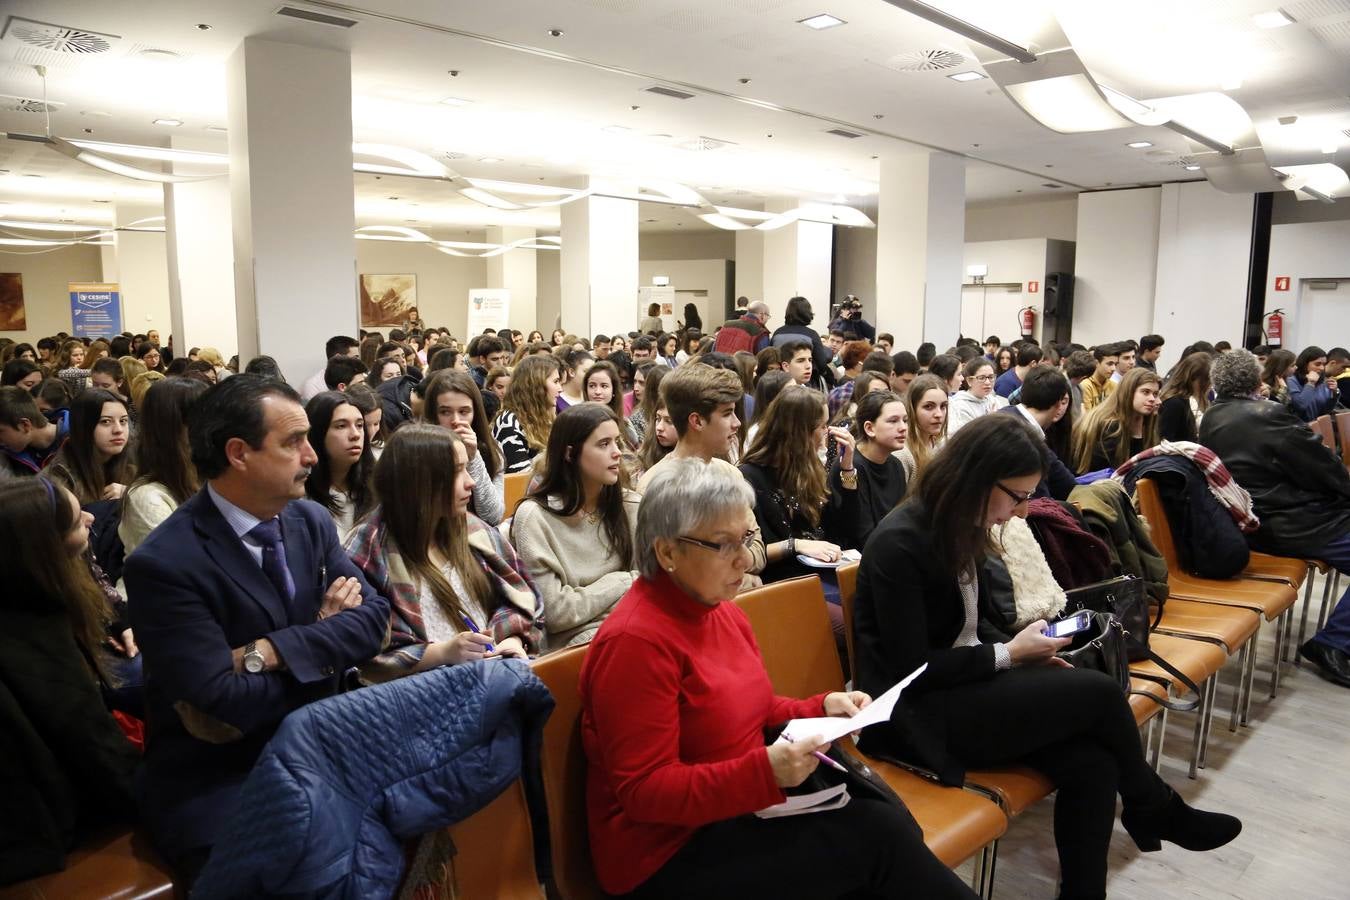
<point>253,658</point>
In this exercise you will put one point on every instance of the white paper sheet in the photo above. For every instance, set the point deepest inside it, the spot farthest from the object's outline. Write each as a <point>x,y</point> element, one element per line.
<point>819,801</point>
<point>832,728</point>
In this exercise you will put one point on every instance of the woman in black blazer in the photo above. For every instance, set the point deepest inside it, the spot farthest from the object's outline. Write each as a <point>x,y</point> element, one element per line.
<point>986,700</point>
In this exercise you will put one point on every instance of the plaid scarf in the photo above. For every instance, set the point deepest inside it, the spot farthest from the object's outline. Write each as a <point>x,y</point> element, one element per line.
<point>514,601</point>
<point>1231,495</point>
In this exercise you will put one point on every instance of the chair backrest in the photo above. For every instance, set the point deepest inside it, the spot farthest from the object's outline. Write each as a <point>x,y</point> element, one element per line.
<point>495,850</point>
<point>1343,426</point>
<point>1322,428</point>
<point>848,591</point>
<point>564,772</point>
<point>514,485</point>
<point>1151,508</point>
<point>794,636</point>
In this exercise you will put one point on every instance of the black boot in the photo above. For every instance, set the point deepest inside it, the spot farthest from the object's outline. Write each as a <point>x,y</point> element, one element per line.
<point>1178,823</point>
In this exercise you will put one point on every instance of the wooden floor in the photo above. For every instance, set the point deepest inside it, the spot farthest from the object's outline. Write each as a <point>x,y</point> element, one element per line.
<point>1286,775</point>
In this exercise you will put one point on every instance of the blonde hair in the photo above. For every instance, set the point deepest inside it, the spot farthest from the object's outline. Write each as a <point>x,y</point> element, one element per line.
<point>1111,419</point>
<point>527,397</point>
<point>141,383</point>
<point>919,444</point>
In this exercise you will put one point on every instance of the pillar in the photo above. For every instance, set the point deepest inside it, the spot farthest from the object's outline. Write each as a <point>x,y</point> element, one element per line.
<point>200,247</point>
<point>137,264</point>
<point>920,243</point>
<point>599,266</point>
<point>292,206</point>
<point>516,271</point>
<point>750,265</point>
<point>796,263</point>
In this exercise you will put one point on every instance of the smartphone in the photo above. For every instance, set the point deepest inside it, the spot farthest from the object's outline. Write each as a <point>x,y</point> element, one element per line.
<point>1075,623</point>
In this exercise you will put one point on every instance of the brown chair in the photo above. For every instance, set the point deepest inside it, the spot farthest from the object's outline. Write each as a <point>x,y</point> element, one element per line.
<point>1015,788</point>
<point>1200,661</point>
<point>1343,430</point>
<point>797,644</point>
<point>495,850</point>
<point>1229,627</point>
<point>1322,427</point>
<point>514,486</point>
<point>1271,599</point>
<point>564,775</point>
<point>116,863</point>
<point>1148,710</point>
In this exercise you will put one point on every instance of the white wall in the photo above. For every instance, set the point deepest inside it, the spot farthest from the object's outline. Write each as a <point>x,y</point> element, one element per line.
<point>750,264</point>
<point>443,281</point>
<point>45,292</point>
<point>994,310</point>
<point>548,292</point>
<point>701,243</point>
<point>692,275</point>
<point>855,265</point>
<point>1116,266</point>
<point>1002,220</point>
<point>1204,249</point>
<point>1314,250</point>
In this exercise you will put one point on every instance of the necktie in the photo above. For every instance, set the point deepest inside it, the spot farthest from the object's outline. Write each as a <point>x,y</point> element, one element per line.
<point>268,534</point>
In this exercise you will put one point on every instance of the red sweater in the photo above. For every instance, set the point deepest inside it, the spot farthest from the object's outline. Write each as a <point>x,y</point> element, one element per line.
<point>674,702</point>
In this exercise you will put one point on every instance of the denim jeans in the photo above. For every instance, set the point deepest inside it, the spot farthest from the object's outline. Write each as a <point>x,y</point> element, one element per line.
<point>1336,633</point>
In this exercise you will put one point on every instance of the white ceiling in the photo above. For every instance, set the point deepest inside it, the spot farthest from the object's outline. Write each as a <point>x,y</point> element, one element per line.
<point>553,108</point>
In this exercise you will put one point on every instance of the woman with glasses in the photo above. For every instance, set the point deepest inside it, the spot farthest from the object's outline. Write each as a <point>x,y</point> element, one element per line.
<point>985,701</point>
<point>978,398</point>
<point>675,700</point>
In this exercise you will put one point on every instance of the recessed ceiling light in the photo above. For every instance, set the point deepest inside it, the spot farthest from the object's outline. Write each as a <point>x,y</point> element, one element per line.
<point>170,122</point>
<point>1139,145</point>
<point>203,27</point>
<point>555,32</point>
<point>456,101</point>
<point>1192,168</point>
<point>821,22</point>
<point>967,76</point>
<point>1274,18</point>
<point>489,159</point>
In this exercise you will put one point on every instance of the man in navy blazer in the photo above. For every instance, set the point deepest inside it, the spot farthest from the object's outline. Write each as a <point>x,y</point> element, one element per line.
<point>245,607</point>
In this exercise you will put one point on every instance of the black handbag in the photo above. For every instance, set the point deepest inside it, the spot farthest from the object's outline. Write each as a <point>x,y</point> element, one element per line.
<point>1102,647</point>
<point>1123,598</point>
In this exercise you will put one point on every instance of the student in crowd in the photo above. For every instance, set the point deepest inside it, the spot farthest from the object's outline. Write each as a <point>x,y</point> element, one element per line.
<point>659,440</point>
<point>149,355</point>
<point>556,338</point>
<point>1338,368</point>
<point>859,387</point>
<point>70,366</point>
<point>343,372</point>
<point>1125,361</point>
<point>96,462</point>
<point>1299,490</point>
<point>747,332</point>
<point>453,401</point>
<point>982,703</point>
<point>635,406</point>
<point>245,608</point>
<point>22,373</point>
<point>340,480</point>
<point>265,366</point>
<point>528,409</point>
<point>1028,355</point>
<point>797,325</point>
<point>601,346</point>
<point>457,590</point>
<point>1184,399</point>
<point>853,356</point>
<point>1123,426</point>
<point>372,414</point>
<point>497,382</point>
<point>107,375</point>
<point>1278,368</point>
<point>447,358</point>
<point>880,426</point>
<point>1045,405</point>
<point>668,351</point>
<point>644,347</point>
<point>906,369</point>
<point>165,476</point>
<point>603,386</point>
<point>991,347</point>
<point>488,352</point>
<point>979,397</point>
<point>1097,387</point>
<point>574,531</point>
<point>702,405</point>
<point>796,360</point>
<point>1311,393</point>
<point>885,342</point>
<point>1004,360</point>
<point>675,701</point>
<point>926,410</point>
<point>651,323</point>
<point>575,365</point>
<point>948,368</point>
<point>1079,365</point>
<point>68,765</point>
<point>386,368</point>
<point>1150,348</point>
<point>339,345</point>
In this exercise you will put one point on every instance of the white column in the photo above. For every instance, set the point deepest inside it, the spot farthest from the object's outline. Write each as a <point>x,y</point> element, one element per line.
<point>796,263</point>
<point>599,266</point>
<point>750,265</point>
<point>516,271</point>
<point>200,248</point>
<point>290,119</point>
<point>1116,265</point>
<point>141,269</point>
<point>921,221</point>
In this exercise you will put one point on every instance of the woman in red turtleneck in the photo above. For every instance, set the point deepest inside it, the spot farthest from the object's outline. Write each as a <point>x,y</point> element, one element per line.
<point>675,700</point>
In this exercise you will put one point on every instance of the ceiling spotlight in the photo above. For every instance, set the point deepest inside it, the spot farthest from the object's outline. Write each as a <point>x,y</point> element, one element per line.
<point>967,76</point>
<point>456,101</point>
<point>1139,145</point>
<point>170,122</point>
<point>203,27</point>
<point>1274,18</point>
<point>821,22</point>
<point>555,32</point>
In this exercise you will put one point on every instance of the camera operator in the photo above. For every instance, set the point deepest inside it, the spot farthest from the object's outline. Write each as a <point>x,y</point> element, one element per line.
<point>850,319</point>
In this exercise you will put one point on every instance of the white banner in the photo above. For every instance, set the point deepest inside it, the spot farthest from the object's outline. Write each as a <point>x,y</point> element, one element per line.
<point>488,308</point>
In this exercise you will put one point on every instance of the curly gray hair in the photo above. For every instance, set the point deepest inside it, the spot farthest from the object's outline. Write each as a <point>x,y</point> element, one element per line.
<point>1235,374</point>
<point>683,496</point>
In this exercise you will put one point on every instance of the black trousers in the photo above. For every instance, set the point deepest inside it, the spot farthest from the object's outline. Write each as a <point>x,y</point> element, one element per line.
<point>867,849</point>
<point>1075,726</point>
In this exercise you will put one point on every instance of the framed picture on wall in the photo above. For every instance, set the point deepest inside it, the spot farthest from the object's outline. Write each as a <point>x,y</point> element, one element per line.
<point>388,301</point>
<point>13,315</point>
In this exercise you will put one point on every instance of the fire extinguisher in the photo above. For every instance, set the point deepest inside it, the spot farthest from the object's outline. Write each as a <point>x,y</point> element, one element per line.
<point>1275,328</point>
<point>1026,320</point>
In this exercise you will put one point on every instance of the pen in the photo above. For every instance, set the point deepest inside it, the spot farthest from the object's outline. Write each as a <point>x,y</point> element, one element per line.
<point>823,758</point>
<point>474,629</point>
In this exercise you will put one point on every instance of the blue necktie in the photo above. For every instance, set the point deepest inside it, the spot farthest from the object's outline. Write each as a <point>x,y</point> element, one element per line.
<point>268,534</point>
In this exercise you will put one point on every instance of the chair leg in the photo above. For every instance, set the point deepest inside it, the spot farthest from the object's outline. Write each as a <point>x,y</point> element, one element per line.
<point>1303,619</point>
<point>1249,682</point>
<point>989,875</point>
<point>1238,685</point>
<point>1161,719</point>
<point>1333,582</point>
<point>1199,727</point>
<point>1208,707</point>
<point>1279,653</point>
<point>1290,653</point>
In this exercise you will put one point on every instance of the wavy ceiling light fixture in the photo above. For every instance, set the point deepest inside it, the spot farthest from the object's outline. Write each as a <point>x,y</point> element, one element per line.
<point>404,234</point>
<point>98,236</point>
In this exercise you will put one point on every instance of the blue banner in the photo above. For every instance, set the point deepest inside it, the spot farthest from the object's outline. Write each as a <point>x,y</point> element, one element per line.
<point>95,310</point>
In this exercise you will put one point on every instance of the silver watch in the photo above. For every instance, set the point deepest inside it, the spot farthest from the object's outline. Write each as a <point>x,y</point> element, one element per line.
<point>253,658</point>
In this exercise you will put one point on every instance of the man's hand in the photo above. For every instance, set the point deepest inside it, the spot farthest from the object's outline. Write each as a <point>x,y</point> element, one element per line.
<point>343,593</point>
<point>271,661</point>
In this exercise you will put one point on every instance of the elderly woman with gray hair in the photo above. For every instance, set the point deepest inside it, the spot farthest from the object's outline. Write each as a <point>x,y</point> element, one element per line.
<point>1299,489</point>
<point>675,700</point>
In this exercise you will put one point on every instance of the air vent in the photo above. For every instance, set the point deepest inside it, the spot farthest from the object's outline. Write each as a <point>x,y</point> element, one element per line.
<point>669,92</point>
<point>309,15</point>
<point>840,132</point>
<point>1049,185</point>
<point>701,144</point>
<point>1346,132</point>
<point>1323,285</point>
<point>59,38</point>
<point>27,105</point>
<point>450,154</point>
<point>927,61</point>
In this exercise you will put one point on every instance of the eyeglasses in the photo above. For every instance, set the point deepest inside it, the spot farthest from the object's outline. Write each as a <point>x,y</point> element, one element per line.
<point>725,551</point>
<point>982,378</point>
<point>1018,497</point>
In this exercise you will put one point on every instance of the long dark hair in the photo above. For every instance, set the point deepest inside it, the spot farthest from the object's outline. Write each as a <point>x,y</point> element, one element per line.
<point>88,477</point>
<point>607,368</point>
<point>163,456</point>
<point>1304,358</point>
<point>461,382</point>
<point>562,475</point>
<point>320,409</point>
<point>783,445</point>
<point>954,486</point>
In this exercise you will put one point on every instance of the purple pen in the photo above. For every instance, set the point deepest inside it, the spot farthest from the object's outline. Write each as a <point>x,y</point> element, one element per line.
<point>822,757</point>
